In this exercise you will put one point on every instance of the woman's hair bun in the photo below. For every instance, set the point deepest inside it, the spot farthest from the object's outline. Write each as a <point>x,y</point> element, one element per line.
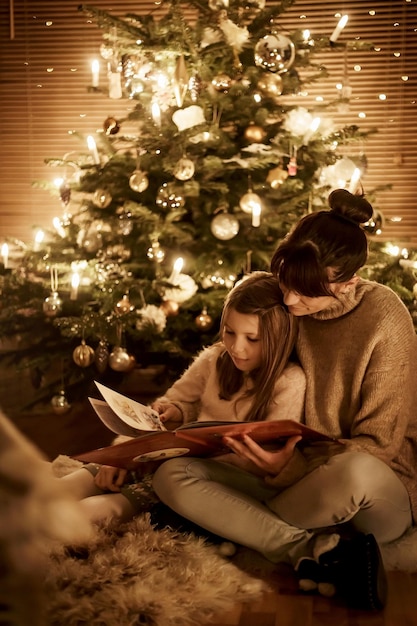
<point>349,206</point>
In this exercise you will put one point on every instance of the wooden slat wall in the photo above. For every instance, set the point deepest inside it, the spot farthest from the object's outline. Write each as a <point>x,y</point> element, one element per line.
<point>45,71</point>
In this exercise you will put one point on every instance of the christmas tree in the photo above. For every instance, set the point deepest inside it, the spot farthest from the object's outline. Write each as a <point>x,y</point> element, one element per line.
<point>164,210</point>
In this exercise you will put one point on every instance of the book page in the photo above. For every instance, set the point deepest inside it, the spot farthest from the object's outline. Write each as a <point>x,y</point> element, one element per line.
<point>111,420</point>
<point>133,413</point>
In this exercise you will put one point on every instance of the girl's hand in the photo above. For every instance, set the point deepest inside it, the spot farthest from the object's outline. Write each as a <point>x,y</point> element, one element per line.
<point>270,462</point>
<point>167,412</point>
<point>110,478</point>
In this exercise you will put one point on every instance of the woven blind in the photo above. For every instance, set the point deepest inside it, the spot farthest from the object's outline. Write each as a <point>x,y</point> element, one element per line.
<point>46,51</point>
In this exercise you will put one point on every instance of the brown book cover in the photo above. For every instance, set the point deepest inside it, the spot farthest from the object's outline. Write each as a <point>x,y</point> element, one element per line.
<point>199,439</point>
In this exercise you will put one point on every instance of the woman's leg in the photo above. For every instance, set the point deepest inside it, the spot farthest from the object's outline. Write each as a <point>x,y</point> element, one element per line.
<point>81,482</point>
<point>351,487</point>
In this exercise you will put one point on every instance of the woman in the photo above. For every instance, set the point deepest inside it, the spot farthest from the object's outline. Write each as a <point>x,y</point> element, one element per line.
<point>247,375</point>
<point>357,346</point>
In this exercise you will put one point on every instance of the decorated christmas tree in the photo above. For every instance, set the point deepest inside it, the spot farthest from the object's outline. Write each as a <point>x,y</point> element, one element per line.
<point>165,209</point>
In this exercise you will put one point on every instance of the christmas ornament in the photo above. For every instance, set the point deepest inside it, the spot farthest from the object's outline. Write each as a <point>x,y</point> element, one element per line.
<point>124,305</point>
<point>292,166</point>
<point>169,307</point>
<point>65,193</point>
<point>83,355</point>
<point>224,226</point>
<point>52,305</point>
<point>270,85</point>
<point>204,321</point>
<point>275,52</point>
<point>101,356</point>
<point>189,117</point>
<point>120,360</point>
<point>155,252</point>
<point>254,133</point>
<point>195,86</point>
<point>375,225</point>
<point>111,126</point>
<point>151,315</point>
<point>106,51</point>
<point>249,201</point>
<point>60,404</point>
<point>102,198</point>
<point>169,196</point>
<point>276,177</point>
<point>218,5</point>
<point>184,169</point>
<point>138,181</point>
<point>222,82</point>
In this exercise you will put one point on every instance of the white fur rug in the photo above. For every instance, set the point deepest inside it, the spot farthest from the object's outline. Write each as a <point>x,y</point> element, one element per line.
<point>134,575</point>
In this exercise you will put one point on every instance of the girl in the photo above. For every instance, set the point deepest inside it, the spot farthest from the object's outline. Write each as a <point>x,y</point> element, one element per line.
<point>357,346</point>
<point>247,375</point>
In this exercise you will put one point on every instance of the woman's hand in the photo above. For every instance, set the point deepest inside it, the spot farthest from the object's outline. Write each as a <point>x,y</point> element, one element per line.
<point>270,462</point>
<point>167,412</point>
<point>110,478</point>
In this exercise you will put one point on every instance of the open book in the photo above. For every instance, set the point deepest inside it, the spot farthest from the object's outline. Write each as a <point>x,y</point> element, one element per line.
<point>152,442</point>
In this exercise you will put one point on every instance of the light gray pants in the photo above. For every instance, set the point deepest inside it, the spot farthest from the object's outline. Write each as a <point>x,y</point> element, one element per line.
<point>351,487</point>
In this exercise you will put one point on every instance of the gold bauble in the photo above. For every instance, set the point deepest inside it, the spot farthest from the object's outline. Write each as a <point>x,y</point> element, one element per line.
<point>222,82</point>
<point>254,133</point>
<point>102,198</point>
<point>83,355</point>
<point>276,177</point>
<point>270,85</point>
<point>52,305</point>
<point>124,306</point>
<point>169,307</point>
<point>204,321</point>
<point>120,360</point>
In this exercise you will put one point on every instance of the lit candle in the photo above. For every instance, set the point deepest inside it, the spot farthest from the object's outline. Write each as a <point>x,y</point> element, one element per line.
<point>176,271</point>
<point>5,254</point>
<point>58,227</point>
<point>95,69</point>
<point>256,215</point>
<point>340,26</point>
<point>354,180</point>
<point>93,148</point>
<point>39,237</point>
<point>156,113</point>
<point>75,282</point>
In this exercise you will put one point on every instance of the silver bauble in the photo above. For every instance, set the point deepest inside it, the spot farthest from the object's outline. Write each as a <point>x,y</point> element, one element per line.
<point>52,305</point>
<point>275,52</point>
<point>184,169</point>
<point>224,226</point>
<point>60,404</point>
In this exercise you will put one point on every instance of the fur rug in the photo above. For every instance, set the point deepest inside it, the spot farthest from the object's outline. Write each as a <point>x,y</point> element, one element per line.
<point>134,575</point>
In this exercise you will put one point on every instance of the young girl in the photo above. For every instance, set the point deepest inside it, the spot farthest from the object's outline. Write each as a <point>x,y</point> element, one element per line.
<point>358,348</point>
<point>247,375</point>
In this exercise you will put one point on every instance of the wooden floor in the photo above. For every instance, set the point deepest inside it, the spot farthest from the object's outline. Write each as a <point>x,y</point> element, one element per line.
<point>81,430</point>
<point>286,606</point>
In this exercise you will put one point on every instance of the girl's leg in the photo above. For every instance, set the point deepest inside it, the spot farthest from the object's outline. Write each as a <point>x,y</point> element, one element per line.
<point>351,487</point>
<point>81,482</point>
<point>227,501</point>
<point>107,508</point>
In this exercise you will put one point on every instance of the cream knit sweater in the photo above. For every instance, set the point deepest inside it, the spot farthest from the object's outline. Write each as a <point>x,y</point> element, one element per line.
<point>360,360</point>
<point>196,393</point>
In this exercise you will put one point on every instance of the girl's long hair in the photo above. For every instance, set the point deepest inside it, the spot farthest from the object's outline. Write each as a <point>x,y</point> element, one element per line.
<point>259,294</point>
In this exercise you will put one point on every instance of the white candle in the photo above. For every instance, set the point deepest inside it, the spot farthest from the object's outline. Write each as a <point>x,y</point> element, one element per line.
<point>340,26</point>
<point>176,271</point>
<point>93,148</point>
<point>156,113</point>
<point>5,254</point>
<point>95,70</point>
<point>39,237</point>
<point>354,180</point>
<point>75,282</point>
<point>256,215</point>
